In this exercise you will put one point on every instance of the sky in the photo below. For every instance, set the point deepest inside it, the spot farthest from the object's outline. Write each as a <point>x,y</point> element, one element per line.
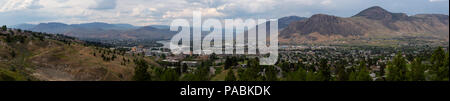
<point>162,12</point>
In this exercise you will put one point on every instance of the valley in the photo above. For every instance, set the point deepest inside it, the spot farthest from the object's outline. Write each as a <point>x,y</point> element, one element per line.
<point>373,45</point>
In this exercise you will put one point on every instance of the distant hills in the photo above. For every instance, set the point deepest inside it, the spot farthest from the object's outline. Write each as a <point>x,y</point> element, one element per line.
<point>105,26</point>
<point>99,30</point>
<point>94,25</point>
<point>374,22</point>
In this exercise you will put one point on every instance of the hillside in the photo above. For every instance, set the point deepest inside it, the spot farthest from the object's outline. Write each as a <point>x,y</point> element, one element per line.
<point>374,22</point>
<point>34,56</point>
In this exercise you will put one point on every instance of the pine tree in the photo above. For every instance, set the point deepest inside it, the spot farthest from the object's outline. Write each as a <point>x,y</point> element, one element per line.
<point>342,74</point>
<point>169,75</point>
<point>363,73</point>
<point>271,74</point>
<point>437,60</point>
<point>113,57</point>
<point>140,71</point>
<point>325,69</point>
<point>230,76</point>
<point>184,68</point>
<point>299,75</point>
<point>227,63</point>
<point>397,69</point>
<point>4,28</point>
<point>417,72</point>
<point>444,69</point>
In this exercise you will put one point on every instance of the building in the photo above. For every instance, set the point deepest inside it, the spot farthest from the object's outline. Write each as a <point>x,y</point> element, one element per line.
<point>190,63</point>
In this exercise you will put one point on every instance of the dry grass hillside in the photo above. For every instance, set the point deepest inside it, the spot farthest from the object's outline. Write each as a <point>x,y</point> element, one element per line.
<point>33,56</point>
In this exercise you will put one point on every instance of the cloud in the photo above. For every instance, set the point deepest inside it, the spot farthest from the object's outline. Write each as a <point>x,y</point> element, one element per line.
<point>186,13</point>
<point>326,2</point>
<point>247,6</point>
<point>104,4</point>
<point>437,0</point>
<point>14,5</point>
<point>144,12</point>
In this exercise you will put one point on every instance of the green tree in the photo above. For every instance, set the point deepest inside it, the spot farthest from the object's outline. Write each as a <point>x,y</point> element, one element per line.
<point>230,76</point>
<point>417,72</point>
<point>361,73</point>
<point>342,74</point>
<point>4,28</point>
<point>163,56</point>
<point>325,69</point>
<point>446,59</point>
<point>271,74</point>
<point>439,62</point>
<point>298,75</point>
<point>201,74</point>
<point>397,69</point>
<point>213,56</point>
<point>140,71</point>
<point>229,62</point>
<point>444,69</point>
<point>251,73</point>
<point>169,75</point>
<point>315,76</point>
<point>437,59</point>
<point>113,57</point>
<point>9,38</point>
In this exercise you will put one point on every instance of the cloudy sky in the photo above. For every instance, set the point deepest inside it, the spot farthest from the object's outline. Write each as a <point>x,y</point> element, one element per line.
<point>147,12</point>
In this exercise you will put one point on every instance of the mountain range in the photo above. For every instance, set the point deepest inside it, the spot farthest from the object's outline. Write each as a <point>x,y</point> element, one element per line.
<point>100,30</point>
<point>374,22</point>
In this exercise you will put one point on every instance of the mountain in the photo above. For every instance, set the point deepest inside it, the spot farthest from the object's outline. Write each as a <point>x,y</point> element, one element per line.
<point>374,22</point>
<point>104,26</point>
<point>324,24</point>
<point>100,30</point>
<point>52,27</point>
<point>61,27</point>
<point>24,26</point>
<point>160,26</point>
<point>285,21</point>
<point>378,13</point>
<point>148,32</point>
